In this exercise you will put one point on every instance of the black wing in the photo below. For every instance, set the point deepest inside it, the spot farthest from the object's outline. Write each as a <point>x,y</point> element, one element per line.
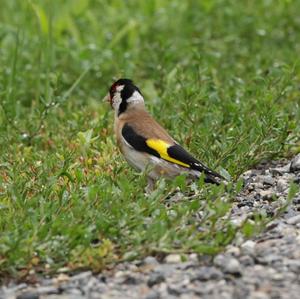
<point>175,151</point>
<point>137,141</point>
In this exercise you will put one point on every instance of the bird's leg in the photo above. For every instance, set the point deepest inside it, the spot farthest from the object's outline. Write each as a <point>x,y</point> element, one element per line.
<point>150,186</point>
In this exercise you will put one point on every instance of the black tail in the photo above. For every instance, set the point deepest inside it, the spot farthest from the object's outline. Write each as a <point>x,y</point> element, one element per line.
<point>210,179</point>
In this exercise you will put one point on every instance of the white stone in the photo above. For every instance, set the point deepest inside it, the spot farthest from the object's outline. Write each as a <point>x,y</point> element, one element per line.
<point>248,247</point>
<point>295,164</point>
<point>267,194</point>
<point>233,250</point>
<point>294,220</point>
<point>173,258</point>
<point>193,257</point>
<point>259,295</point>
<point>232,266</point>
<point>282,185</point>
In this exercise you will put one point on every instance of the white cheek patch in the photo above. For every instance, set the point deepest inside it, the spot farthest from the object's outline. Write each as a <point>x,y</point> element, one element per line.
<point>116,101</point>
<point>135,98</point>
<point>117,98</point>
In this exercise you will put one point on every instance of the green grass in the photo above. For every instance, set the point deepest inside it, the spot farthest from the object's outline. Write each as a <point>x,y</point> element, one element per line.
<point>222,76</point>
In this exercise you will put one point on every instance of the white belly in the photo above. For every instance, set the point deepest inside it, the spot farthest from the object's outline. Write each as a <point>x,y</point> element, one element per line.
<point>155,167</point>
<point>136,159</point>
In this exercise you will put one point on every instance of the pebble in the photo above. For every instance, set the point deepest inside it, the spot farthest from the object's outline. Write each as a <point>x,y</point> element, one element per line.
<point>265,266</point>
<point>232,266</point>
<point>281,170</point>
<point>259,295</point>
<point>81,276</point>
<point>267,194</point>
<point>246,260</point>
<point>294,220</point>
<point>228,264</point>
<point>150,260</point>
<point>62,278</point>
<point>267,180</point>
<point>155,278</point>
<point>248,247</point>
<point>48,290</point>
<point>295,164</point>
<point>152,295</point>
<point>233,250</point>
<point>208,273</point>
<point>173,258</point>
<point>28,295</point>
<point>75,292</point>
<point>281,185</point>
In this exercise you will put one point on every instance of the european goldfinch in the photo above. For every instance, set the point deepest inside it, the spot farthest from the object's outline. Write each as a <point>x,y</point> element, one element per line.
<point>145,144</point>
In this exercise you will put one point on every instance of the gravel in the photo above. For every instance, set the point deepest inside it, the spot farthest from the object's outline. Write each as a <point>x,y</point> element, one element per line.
<point>295,164</point>
<point>267,266</point>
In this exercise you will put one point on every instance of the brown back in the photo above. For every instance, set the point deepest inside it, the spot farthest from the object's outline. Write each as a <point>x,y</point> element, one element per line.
<point>142,122</point>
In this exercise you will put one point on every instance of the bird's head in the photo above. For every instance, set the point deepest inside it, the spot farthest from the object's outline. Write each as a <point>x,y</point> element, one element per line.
<point>123,94</point>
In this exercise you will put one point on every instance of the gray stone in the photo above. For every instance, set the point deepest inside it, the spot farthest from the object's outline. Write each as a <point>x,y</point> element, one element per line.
<point>282,185</point>
<point>74,291</point>
<point>293,265</point>
<point>240,291</point>
<point>48,290</point>
<point>248,247</point>
<point>152,295</point>
<point>219,260</point>
<point>267,194</point>
<point>259,295</point>
<point>150,260</point>
<point>246,260</point>
<point>228,264</point>
<point>207,273</point>
<point>293,220</point>
<point>155,278</point>
<point>28,295</point>
<point>130,279</point>
<point>177,290</point>
<point>258,186</point>
<point>267,180</point>
<point>81,276</point>
<point>295,164</point>
<point>18,287</point>
<point>281,170</point>
<point>268,259</point>
<point>232,266</point>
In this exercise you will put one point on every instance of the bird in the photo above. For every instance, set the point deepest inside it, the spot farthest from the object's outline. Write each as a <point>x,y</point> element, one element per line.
<point>145,144</point>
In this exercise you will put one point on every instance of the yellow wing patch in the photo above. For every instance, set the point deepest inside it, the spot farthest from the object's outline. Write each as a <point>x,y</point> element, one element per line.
<point>162,148</point>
